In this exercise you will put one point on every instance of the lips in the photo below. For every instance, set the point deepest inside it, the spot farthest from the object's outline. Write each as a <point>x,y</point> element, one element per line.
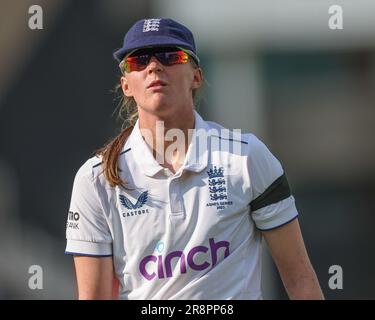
<point>156,83</point>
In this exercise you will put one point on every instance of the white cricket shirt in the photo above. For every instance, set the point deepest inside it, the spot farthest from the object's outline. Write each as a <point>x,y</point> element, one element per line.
<point>194,234</point>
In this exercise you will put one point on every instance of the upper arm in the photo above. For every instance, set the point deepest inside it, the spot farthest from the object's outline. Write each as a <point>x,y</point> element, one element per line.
<point>272,207</point>
<point>272,204</point>
<point>287,248</point>
<point>88,231</point>
<point>274,213</point>
<point>95,277</point>
<point>89,239</point>
<point>289,253</point>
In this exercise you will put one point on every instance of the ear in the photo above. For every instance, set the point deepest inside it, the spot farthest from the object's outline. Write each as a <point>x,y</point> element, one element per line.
<point>198,78</point>
<point>125,87</point>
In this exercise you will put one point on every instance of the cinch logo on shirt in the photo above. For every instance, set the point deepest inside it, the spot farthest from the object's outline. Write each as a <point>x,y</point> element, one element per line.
<point>161,266</point>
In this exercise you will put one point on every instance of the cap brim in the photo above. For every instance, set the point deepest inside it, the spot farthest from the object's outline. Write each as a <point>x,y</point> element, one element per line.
<point>154,41</point>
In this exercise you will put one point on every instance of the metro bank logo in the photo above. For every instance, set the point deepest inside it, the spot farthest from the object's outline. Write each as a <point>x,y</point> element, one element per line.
<point>161,267</point>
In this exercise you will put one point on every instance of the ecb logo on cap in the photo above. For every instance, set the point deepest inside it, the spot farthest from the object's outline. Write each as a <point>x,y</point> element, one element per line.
<point>151,25</point>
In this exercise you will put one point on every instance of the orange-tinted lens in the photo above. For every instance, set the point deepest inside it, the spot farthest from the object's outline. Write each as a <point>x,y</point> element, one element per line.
<point>171,58</point>
<point>138,62</point>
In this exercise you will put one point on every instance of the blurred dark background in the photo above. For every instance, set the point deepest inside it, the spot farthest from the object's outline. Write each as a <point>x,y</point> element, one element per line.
<point>307,91</point>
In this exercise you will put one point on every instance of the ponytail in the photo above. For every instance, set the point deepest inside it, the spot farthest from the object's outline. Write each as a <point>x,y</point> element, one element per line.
<point>110,152</point>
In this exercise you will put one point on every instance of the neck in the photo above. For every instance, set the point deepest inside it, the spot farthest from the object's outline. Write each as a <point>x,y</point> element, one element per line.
<point>168,136</point>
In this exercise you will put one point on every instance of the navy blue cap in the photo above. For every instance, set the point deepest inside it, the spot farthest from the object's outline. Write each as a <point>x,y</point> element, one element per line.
<point>160,32</point>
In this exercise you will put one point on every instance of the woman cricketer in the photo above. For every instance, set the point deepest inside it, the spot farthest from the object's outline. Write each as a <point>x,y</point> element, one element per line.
<point>176,207</point>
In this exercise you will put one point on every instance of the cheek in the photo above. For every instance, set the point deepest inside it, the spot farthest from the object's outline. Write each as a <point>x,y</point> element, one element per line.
<point>135,86</point>
<point>183,81</point>
<point>137,89</point>
<point>188,84</point>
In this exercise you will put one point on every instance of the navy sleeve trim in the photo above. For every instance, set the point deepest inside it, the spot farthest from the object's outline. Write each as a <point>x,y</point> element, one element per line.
<point>98,164</point>
<point>230,139</point>
<point>283,224</point>
<point>277,191</point>
<point>88,255</point>
<point>123,152</point>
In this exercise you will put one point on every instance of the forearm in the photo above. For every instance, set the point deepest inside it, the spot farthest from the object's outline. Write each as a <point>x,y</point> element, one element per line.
<point>289,253</point>
<point>304,287</point>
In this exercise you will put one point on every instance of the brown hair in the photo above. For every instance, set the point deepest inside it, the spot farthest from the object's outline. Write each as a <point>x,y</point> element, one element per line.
<point>128,113</point>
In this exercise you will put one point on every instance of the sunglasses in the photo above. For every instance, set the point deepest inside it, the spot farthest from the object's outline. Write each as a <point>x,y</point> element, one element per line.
<point>138,61</point>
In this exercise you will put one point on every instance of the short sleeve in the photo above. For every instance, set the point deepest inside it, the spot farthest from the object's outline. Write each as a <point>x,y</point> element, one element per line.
<point>87,230</point>
<point>272,204</point>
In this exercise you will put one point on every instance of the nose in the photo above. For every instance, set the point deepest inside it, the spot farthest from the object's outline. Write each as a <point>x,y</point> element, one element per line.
<point>154,65</point>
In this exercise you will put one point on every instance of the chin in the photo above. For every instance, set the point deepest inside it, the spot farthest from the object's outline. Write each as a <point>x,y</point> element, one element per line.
<point>158,105</point>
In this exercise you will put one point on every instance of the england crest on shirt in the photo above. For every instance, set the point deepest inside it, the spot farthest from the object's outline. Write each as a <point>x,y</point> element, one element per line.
<point>217,187</point>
